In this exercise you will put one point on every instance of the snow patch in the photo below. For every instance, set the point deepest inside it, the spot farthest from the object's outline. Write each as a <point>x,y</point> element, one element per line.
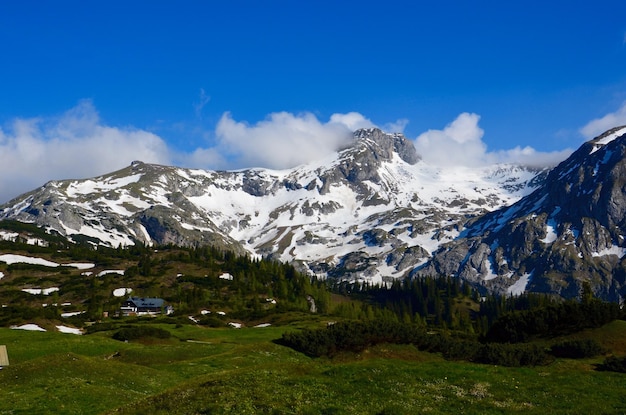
<point>90,186</point>
<point>71,314</point>
<point>520,285</point>
<point>226,276</point>
<point>490,275</point>
<point>29,327</point>
<point>110,271</point>
<point>551,235</point>
<point>606,140</point>
<point>40,291</point>
<point>86,265</point>
<point>13,237</point>
<point>121,292</point>
<point>69,330</point>
<point>613,250</point>
<point>14,259</point>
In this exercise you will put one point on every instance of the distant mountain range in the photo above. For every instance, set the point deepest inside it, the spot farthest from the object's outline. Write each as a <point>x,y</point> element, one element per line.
<point>371,212</point>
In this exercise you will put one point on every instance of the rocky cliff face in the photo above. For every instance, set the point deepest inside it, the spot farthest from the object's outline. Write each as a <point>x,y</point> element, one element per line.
<point>373,210</point>
<point>569,230</point>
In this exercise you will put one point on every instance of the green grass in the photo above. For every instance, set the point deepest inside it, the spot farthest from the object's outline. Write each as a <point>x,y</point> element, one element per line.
<point>224,371</point>
<point>380,385</point>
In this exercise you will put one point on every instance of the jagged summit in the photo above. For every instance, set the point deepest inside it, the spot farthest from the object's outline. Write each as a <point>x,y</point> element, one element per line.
<point>385,144</point>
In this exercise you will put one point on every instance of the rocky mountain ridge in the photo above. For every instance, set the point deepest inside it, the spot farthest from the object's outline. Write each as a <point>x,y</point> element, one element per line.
<point>570,230</point>
<point>371,211</point>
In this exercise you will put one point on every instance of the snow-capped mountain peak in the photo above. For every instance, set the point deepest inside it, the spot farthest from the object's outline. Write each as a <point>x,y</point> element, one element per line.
<point>372,210</point>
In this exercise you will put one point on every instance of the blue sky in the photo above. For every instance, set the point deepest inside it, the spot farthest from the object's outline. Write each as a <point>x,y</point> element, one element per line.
<point>87,87</point>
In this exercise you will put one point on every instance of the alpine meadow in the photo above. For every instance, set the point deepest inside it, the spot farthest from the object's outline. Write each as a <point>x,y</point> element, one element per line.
<point>137,292</point>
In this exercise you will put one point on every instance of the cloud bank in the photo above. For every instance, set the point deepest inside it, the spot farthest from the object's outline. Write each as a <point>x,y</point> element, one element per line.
<point>74,145</point>
<point>461,143</point>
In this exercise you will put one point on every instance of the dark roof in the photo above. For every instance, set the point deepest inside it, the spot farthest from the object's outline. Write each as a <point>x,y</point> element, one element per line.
<point>141,302</point>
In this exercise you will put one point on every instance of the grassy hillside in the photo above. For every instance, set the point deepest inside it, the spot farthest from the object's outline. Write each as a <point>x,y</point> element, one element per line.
<point>208,370</point>
<point>193,363</point>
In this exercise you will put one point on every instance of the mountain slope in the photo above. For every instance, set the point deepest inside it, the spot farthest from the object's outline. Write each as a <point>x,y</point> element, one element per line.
<point>570,230</point>
<point>371,210</point>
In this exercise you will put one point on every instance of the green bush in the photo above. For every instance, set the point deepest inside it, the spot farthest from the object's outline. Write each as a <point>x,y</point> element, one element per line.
<point>576,349</point>
<point>351,336</point>
<point>94,328</point>
<point>613,364</point>
<point>140,332</point>
<point>211,321</point>
<point>512,355</point>
<point>552,320</point>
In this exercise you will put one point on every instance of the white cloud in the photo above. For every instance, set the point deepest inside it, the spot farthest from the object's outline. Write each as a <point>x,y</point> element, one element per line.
<point>396,127</point>
<point>596,127</point>
<point>283,139</point>
<point>206,158</point>
<point>528,156</point>
<point>74,145</point>
<point>352,120</point>
<point>460,143</point>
